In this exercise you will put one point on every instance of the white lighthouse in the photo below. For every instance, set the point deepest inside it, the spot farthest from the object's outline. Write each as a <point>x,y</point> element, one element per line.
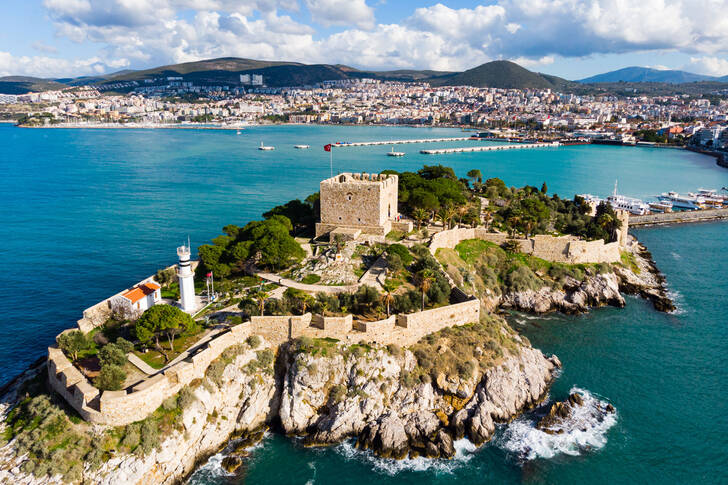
<point>186,279</point>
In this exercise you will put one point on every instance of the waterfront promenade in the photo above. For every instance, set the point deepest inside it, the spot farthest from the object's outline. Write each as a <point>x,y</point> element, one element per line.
<point>442,151</point>
<point>681,217</point>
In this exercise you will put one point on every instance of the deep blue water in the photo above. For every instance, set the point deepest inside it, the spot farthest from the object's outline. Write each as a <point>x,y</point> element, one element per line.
<point>88,212</point>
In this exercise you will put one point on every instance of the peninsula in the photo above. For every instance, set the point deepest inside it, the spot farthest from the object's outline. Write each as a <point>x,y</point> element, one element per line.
<point>371,310</point>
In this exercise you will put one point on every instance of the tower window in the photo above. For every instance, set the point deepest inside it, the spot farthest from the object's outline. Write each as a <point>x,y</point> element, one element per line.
<point>349,196</point>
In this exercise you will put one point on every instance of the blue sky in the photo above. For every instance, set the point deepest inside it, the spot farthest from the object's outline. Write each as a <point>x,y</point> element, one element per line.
<point>568,38</point>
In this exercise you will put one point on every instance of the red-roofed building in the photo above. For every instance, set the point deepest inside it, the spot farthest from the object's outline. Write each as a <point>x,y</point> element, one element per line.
<point>135,301</point>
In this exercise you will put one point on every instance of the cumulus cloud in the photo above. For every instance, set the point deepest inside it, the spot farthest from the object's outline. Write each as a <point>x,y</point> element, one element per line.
<point>49,67</point>
<point>341,12</point>
<point>532,32</point>
<point>712,66</point>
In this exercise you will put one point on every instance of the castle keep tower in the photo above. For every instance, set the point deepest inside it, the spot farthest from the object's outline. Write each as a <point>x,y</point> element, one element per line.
<point>186,279</point>
<point>352,203</point>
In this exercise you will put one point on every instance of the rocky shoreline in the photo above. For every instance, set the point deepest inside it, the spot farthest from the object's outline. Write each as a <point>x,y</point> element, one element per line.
<point>595,290</point>
<point>362,392</point>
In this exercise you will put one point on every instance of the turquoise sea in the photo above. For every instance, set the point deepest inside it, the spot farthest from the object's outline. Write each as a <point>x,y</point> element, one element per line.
<point>88,212</point>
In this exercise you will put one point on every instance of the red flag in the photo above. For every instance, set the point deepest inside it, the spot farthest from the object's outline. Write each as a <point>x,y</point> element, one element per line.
<point>209,275</point>
<point>327,148</point>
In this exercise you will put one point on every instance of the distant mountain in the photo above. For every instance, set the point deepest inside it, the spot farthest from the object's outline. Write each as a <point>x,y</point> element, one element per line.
<point>24,84</point>
<point>501,74</point>
<point>647,75</point>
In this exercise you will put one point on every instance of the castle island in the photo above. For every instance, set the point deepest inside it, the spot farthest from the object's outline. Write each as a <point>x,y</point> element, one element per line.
<point>399,279</point>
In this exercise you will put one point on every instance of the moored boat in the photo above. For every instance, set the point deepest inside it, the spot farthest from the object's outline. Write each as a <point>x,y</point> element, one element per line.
<point>395,154</point>
<point>301,147</point>
<point>682,201</point>
<point>264,147</point>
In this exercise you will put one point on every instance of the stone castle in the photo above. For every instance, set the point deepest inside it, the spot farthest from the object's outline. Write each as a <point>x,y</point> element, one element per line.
<point>355,204</point>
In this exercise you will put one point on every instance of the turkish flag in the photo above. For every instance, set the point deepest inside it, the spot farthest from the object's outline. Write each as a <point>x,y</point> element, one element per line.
<point>327,148</point>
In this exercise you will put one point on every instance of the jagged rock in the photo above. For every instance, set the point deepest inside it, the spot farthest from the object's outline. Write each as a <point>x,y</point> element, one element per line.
<point>231,463</point>
<point>555,421</point>
<point>575,297</point>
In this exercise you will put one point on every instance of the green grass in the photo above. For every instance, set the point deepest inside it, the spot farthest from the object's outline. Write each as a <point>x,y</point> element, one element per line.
<point>155,359</point>
<point>395,235</point>
<point>311,279</point>
<point>629,261</point>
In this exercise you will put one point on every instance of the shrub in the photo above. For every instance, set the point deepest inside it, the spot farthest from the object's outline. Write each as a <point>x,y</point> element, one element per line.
<point>265,358</point>
<point>215,370</point>
<point>401,251</point>
<point>311,279</point>
<point>394,262</point>
<point>111,354</point>
<point>111,378</point>
<point>170,403</point>
<point>253,341</point>
<point>521,278</point>
<point>149,437</point>
<point>124,345</point>
<point>132,436</point>
<point>186,397</point>
<point>337,394</point>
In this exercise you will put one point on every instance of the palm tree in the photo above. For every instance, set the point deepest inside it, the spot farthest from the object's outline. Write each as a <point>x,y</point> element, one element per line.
<point>487,216</point>
<point>462,210</point>
<point>425,278</point>
<point>387,297</point>
<point>262,296</point>
<point>419,215</point>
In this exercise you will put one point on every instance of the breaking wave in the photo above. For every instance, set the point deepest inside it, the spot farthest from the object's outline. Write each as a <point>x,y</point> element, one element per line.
<point>679,302</point>
<point>464,451</point>
<point>585,430</point>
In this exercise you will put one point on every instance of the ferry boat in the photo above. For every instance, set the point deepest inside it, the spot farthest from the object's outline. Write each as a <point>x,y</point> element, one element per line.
<point>395,154</point>
<point>712,198</point>
<point>301,147</point>
<point>683,202</point>
<point>629,204</point>
<point>263,147</point>
<point>660,206</point>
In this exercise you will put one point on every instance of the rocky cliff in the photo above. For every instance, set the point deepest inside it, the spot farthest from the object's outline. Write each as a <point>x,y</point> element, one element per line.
<point>381,396</point>
<point>455,383</point>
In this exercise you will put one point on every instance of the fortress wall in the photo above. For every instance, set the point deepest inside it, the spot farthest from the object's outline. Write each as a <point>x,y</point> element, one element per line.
<point>119,408</point>
<point>561,249</point>
<point>422,323</point>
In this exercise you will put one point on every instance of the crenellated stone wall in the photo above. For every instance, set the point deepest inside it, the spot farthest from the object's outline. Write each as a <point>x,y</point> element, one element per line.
<point>558,249</point>
<point>117,408</point>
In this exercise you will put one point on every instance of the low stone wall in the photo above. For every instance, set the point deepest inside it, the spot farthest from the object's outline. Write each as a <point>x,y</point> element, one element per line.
<point>118,408</point>
<point>679,217</point>
<point>564,249</point>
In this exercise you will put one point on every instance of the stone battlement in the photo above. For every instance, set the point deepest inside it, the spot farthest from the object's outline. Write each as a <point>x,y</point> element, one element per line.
<point>117,408</point>
<point>558,249</point>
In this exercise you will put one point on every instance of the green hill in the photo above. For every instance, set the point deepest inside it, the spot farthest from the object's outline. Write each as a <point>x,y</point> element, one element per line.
<point>23,84</point>
<point>501,74</point>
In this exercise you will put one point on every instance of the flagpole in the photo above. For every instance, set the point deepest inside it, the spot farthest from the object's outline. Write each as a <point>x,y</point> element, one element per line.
<point>331,160</point>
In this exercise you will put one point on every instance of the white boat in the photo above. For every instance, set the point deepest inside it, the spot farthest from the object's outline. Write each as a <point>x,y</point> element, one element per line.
<point>301,147</point>
<point>238,132</point>
<point>682,201</point>
<point>661,206</point>
<point>395,154</point>
<point>263,147</point>
<point>629,204</point>
<point>712,197</point>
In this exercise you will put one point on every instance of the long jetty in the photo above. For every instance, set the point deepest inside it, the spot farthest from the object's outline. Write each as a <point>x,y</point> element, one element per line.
<point>440,151</point>
<point>400,142</point>
<point>681,217</point>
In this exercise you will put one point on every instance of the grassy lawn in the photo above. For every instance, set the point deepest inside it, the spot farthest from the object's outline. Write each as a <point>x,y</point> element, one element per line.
<point>311,279</point>
<point>181,343</point>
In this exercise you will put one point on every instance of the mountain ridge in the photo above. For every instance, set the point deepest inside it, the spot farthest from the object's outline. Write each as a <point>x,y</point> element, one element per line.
<point>647,74</point>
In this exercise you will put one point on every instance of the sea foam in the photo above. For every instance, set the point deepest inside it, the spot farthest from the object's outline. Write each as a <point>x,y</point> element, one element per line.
<point>585,430</point>
<point>464,451</point>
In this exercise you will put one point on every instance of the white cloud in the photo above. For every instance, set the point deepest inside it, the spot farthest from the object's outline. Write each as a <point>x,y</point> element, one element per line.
<point>341,12</point>
<point>712,66</point>
<point>533,32</point>
<point>42,47</point>
<point>51,67</point>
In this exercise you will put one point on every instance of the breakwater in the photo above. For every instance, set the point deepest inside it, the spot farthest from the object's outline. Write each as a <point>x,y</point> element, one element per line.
<point>441,151</point>
<point>400,142</point>
<point>679,217</point>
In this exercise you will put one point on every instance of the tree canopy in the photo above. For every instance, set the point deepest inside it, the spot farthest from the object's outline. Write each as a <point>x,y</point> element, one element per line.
<point>162,320</point>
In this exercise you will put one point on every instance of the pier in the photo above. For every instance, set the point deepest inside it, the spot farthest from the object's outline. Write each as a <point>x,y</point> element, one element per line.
<point>681,217</point>
<point>440,151</point>
<point>400,142</point>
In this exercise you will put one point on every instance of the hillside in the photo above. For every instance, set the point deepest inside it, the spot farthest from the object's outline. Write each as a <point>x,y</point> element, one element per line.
<point>22,84</point>
<point>637,74</point>
<point>501,74</point>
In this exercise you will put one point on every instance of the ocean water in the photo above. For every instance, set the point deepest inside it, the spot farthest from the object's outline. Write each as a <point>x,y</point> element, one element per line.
<point>88,212</point>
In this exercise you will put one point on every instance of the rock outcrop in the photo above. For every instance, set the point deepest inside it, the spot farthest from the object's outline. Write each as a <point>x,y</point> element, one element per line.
<point>575,296</point>
<point>561,416</point>
<point>243,401</point>
<point>645,279</point>
<point>328,399</point>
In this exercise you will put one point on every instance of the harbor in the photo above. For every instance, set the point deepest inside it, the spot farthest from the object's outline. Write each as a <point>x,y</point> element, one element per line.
<point>400,142</point>
<point>442,151</point>
<point>681,217</point>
